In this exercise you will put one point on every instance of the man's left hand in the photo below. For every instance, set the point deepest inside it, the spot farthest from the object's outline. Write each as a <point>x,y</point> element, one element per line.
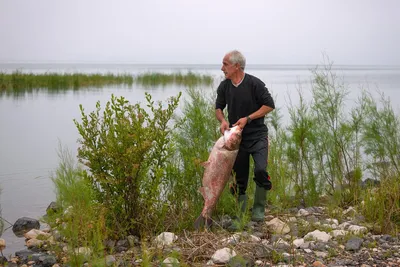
<point>241,123</point>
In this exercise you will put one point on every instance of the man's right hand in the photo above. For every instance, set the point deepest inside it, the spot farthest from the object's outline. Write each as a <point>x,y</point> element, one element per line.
<point>224,126</point>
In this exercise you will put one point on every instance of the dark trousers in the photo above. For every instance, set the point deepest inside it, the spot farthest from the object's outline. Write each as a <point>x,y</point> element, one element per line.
<point>258,149</point>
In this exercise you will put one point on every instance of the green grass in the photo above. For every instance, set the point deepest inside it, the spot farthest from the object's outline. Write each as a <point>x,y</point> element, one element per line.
<point>189,79</point>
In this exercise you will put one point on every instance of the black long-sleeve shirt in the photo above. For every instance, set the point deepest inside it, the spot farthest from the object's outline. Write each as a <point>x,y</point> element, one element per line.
<point>242,101</point>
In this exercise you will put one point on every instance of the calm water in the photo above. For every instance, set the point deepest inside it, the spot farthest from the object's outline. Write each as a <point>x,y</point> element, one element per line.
<point>33,125</point>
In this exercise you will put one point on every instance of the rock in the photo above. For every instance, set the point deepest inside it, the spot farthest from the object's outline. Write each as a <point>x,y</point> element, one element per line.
<point>25,224</point>
<point>48,261</point>
<point>318,235</point>
<point>239,261</point>
<point>222,256</point>
<point>24,254</point>
<point>333,221</point>
<point>318,264</point>
<point>355,229</point>
<point>298,242</point>
<point>354,244</point>
<point>170,262</point>
<point>303,212</point>
<point>34,243</point>
<point>110,260</point>
<point>133,240</point>
<point>53,208</point>
<point>350,212</point>
<point>2,244</point>
<point>336,233</point>
<point>344,226</point>
<point>232,240</point>
<point>36,234</point>
<point>278,227</point>
<point>165,239</point>
<point>321,254</point>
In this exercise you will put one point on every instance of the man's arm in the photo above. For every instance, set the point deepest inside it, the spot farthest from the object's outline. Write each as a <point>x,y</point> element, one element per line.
<point>261,112</point>
<point>221,118</point>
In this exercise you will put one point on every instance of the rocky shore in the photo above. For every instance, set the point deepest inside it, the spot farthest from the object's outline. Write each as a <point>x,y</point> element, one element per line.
<point>296,237</point>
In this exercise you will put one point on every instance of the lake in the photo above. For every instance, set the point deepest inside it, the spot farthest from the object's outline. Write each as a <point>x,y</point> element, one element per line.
<point>34,124</point>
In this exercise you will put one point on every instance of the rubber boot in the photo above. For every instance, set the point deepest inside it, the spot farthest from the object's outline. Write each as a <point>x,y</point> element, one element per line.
<point>260,199</point>
<point>237,221</point>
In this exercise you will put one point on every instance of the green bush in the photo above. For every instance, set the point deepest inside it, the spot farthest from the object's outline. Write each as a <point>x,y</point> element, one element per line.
<point>126,150</point>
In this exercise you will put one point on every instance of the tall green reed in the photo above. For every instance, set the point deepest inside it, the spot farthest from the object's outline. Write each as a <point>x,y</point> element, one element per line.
<point>80,219</point>
<point>189,79</point>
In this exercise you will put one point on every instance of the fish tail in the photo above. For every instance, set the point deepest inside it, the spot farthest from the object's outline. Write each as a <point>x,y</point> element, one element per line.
<point>199,222</point>
<point>202,221</point>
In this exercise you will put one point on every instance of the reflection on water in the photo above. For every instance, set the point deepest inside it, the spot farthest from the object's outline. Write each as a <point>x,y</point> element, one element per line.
<point>33,123</point>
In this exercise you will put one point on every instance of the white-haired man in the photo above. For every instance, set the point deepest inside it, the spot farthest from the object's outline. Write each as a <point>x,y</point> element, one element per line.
<point>248,102</point>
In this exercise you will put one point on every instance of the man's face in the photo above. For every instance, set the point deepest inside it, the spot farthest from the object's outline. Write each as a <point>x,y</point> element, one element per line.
<point>228,68</point>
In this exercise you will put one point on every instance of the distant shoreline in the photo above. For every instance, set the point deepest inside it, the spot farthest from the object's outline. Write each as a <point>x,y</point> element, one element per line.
<point>198,66</point>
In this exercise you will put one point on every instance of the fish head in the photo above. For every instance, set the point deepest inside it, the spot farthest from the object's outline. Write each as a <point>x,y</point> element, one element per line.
<point>232,138</point>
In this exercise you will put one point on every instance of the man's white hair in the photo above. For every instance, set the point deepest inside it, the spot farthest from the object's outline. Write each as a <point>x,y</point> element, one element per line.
<point>235,57</point>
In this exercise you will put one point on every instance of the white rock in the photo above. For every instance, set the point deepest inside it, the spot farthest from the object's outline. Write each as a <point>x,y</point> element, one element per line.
<point>223,255</point>
<point>298,242</point>
<point>34,243</point>
<point>35,233</point>
<point>166,239</point>
<point>307,250</point>
<point>282,242</point>
<point>355,229</point>
<point>318,235</point>
<point>336,233</point>
<point>333,221</point>
<point>350,211</point>
<point>254,238</point>
<point>344,226</point>
<point>278,227</point>
<point>321,254</point>
<point>265,242</point>
<point>258,263</point>
<point>170,262</point>
<point>303,212</point>
<point>232,240</point>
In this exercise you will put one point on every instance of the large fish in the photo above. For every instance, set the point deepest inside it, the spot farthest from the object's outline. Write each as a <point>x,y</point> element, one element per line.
<point>217,171</point>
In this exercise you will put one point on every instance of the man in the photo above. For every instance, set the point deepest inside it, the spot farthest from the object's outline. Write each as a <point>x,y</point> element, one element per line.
<point>248,101</point>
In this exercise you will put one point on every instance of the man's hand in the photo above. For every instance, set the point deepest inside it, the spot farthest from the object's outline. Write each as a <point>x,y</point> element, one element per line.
<point>224,126</point>
<point>241,123</point>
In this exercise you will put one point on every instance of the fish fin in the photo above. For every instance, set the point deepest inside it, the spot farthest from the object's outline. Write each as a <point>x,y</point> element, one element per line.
<point>205,163</point>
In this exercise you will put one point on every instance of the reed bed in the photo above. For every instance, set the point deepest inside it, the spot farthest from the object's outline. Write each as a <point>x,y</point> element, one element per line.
<point>189,79</point>
<point>19,81</point>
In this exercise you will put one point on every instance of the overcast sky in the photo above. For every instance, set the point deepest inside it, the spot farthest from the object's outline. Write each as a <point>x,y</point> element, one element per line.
<point>200,31</point>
